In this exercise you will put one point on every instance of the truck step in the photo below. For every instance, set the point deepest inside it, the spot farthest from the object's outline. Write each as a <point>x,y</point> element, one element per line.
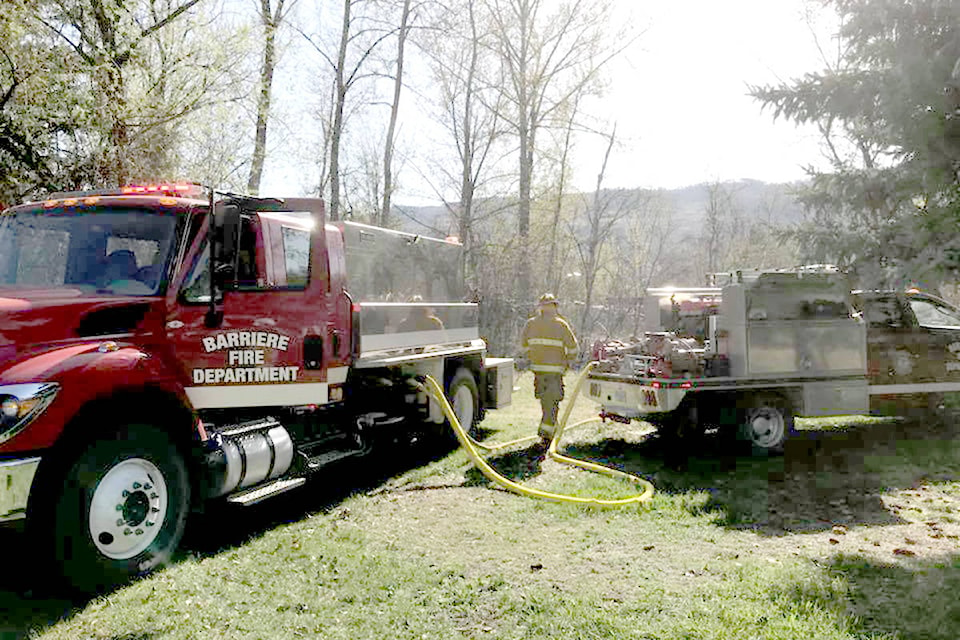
<point>257,494</point>
<point>329,457</point>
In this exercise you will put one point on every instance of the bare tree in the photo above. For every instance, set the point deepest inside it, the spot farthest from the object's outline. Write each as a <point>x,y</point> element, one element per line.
<point>548,58</point>
<point>271,17</point>
<point>348,68</point>
<point>469,106</point>
<point>566,147</point>
<point>394,110</point>
<point>719,228</point>
<point>605,212</point>
<point>645,256</point>
<point>198,95</point>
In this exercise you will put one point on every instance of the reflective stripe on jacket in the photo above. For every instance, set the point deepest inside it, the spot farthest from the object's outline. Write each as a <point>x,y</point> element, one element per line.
<point>549,343</point>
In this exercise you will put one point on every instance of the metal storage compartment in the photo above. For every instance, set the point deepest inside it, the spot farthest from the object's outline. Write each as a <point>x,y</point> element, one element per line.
<point>499,382</point>
<point>791,325</point>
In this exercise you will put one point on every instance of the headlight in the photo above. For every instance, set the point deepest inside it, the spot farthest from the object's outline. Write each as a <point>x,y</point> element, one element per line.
<point>20,404</point>
<point>10,408</point>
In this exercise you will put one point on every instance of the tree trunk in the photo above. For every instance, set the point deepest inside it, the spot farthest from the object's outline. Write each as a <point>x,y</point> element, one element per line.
<point>526,136</point>
<point>554,274</point>
<point>598,233</point>
<point>115,171</point>
<point>341,94</point>
<point>395,107</point>
<point>270,22</point>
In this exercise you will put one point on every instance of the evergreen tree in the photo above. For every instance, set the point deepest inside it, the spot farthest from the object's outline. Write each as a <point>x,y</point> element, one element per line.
<point>888,108</point>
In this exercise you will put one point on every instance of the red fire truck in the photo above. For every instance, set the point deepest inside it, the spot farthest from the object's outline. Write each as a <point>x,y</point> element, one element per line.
<point>161,346</point>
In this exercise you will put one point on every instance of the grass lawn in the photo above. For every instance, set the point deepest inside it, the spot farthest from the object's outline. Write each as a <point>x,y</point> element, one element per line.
<point>853,533</point>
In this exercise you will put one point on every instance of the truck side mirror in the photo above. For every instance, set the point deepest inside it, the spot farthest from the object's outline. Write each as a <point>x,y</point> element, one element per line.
<point>226,221</point>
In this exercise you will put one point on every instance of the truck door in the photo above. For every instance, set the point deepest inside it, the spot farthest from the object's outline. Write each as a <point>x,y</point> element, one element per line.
<point>938,328</point>
<point>270,348</point>
<point>894,342</point>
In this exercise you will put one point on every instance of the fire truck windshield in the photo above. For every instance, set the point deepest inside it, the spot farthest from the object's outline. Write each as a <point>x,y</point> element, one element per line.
<point>118,251</point>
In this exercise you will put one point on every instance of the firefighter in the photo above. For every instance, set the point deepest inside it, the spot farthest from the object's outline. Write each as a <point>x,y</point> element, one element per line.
<point>550,345</point>
<point>421,318</point>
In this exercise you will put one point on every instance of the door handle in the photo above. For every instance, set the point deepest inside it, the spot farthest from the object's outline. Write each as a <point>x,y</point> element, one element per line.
<point>313,352</point>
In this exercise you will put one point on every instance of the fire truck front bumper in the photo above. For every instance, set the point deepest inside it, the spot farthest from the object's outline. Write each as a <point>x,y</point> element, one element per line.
<point>16,478</point>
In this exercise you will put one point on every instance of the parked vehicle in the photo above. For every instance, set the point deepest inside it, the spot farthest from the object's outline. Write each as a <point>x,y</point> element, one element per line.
<point>161,347</point>
<point>775,345</point>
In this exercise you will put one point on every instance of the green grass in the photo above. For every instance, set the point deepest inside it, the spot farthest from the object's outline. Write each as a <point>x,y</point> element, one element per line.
<point>729,548</point>
<point>329,578</point>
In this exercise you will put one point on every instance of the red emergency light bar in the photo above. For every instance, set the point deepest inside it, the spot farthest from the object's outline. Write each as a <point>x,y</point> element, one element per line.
<point>163,189</point>
<point>179,189</point>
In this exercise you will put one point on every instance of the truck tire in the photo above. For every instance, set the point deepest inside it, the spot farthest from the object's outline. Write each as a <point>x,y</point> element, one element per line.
<point>122,510</point>
<point>464,398</point>
<point>766,424</point>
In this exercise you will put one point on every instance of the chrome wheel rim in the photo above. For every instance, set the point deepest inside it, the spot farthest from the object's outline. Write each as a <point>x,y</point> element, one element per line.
<point>127,509</point>
<point>767,428</point>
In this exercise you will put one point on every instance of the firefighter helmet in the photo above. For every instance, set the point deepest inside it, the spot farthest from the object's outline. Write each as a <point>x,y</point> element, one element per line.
<point>548,298</point>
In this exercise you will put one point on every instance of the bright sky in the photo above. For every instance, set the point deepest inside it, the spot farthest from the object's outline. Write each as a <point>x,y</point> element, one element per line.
<point>679,98</point>
<point>680,95</point>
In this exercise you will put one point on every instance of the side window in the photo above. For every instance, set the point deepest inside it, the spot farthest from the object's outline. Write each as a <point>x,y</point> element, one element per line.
<point>296,256</point>
<point>883,312</point>
<point>196,286</point>
<point>930,314</point>
<point>247,277</point>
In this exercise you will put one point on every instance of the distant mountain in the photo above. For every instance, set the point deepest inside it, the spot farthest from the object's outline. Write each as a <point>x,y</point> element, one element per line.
<point>753,199</point>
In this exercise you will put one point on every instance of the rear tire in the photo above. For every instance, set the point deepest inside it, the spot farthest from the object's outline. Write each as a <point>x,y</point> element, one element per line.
<point>465,399</point>
<point>122,510</point>
<point>766,424</point>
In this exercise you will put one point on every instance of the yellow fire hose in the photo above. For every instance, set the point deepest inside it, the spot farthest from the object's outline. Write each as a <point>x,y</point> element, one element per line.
<point>473,451</point>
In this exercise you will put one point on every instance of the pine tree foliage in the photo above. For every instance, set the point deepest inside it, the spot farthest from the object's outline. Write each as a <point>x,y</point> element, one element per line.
<point>888,109</point>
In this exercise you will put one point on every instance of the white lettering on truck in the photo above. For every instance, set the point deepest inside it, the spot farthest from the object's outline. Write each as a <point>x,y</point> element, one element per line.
<point>245,375</point>
<point>236,339</point>
<point>245,348</point>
